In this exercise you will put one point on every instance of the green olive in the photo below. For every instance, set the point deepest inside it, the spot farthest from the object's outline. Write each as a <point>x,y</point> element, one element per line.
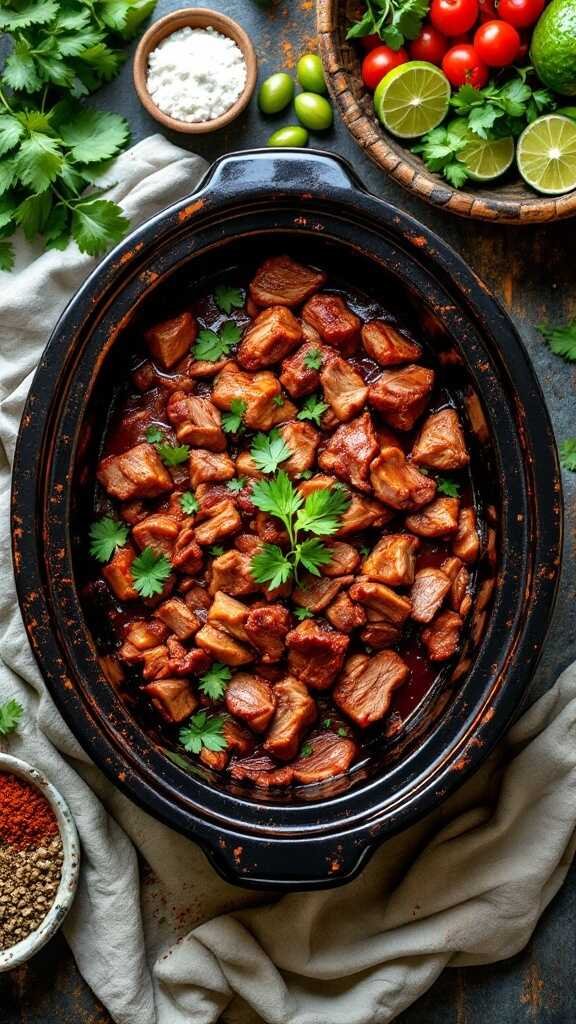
<point>291,135</point>
<point>275,93</point>
<point>310,73</point>
<point>313,111</point>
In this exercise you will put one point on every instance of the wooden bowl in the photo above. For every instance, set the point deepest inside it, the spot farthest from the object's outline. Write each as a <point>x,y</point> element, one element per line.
<point>509,201</point>
<point>194,17</point>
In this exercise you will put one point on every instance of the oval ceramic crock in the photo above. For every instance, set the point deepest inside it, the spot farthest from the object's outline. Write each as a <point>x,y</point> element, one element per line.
<point>248,206</point>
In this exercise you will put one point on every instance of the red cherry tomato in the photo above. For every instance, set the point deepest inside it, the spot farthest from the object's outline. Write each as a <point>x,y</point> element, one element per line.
<point>497,43</point>
<point>520,13</point>
<point>452,17</point>
<point>463,66</point>
<point>379,62</point>
<point>371,42</point>
<point>430,45</point>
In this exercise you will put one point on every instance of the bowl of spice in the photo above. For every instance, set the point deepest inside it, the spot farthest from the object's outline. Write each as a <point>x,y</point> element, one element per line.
<point>195,70</point>
<point>39,861</point>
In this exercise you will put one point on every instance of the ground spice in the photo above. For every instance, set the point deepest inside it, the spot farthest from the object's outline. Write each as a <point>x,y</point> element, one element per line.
<point>29,881</point>
<point>26,818</point>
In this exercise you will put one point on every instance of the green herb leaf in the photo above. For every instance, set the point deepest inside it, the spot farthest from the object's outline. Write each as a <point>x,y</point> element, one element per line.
<point>343,732</point>
<point>213,682</point>
<point>154,435</point>
<point>237,484</point>
<point>39,161</point>
<point>211,346</point>
<point>323,510</point>
<point>303,613</point>
<point>228,298</point>
<point>278,496</point>
<point>270,565</point>
<point>269,450</point>
<point>106,535</point>
<point>204,730</point>
<point>313,359</point>
<point>11,713</point>
<point>173,454</point>
<point>188,503</point>
<point>30,12</point>
<point>567,451</point>
<point>93,135</point>
<point>306,750</point>
<point>11,131</point>
<point>6,255</point>
<point>278,401</point>
<point>150,570</point>
<point>216,550</point>
<point>439,150</point>
<point>312,409</point>
<point>313,553</point>
<point>232,420</point>
<point>97,224</point>
<point>562,340</point>
<point>448,487</point>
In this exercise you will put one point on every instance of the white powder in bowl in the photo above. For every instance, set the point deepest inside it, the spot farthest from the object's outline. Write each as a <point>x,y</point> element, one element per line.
<point>196,74</point>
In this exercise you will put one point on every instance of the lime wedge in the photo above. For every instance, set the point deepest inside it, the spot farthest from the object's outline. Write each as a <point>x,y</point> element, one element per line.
<point>546,154</point>
<point>485,159</point>
<point>412,99</point>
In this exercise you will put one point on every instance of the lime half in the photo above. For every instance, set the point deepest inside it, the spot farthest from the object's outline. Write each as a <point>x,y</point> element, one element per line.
<point>412,99</point>
<point>546,154</point>
<point>485,159</point>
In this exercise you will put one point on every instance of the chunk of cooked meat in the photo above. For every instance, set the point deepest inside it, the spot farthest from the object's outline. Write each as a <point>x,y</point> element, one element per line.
<point>295,710</point>
<point>269,529</point>
<point>297,377</point>
<point>344,388</point>
<point>460,597</point>
<point>220,521</point>
<point>245,466</point>
<point>205,466</point>
<point>138,473</point>
<point>466,543</point>
<point>197,598</point>
<point>345,615</point>
<point>144,634</point>
<point>365,688</point>
<point>118,574</point>
<point>176,614</point>
<point>231,572</point>
<point>280,281</point>
<point>330,756</point>
<point>197,421</point>
<point>438,519</point>
<point>184,662</point>
<point>392,560</point>
<point>344,559</point>
<point>156,663</point>
<point>158,531</point>
<point>302,440</point>
<point>442,637</point>
<point>401,396</point>
<point>429,589</point>
<point>350,450</point>
<point>229,614</point>
<point>238,741</point>
<point>385,345</point>
<point>187,555</point>
<point>261,771</point>
<point>335,322</point>
<point>270,337</point>
<point>389,605</point>
<point>398,483</point>
<point>173,698</point>
<point>317,592</point>
<point>361,514</point>
<point>221,646</point>
<point>198,369</point>
<point>316,654</point>
<point>258,391</point>
<point>267,628</point>
<point>252,699</point>
<point>133,511</point>
<point>171,340</point>
<point>380,635</point>
<point>441,443</point>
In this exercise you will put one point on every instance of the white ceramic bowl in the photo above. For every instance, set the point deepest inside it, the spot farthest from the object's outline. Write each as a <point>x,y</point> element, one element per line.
<point>22,951</point>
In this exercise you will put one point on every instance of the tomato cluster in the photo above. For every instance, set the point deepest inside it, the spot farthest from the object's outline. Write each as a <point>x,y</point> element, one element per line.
<point>466,38</point>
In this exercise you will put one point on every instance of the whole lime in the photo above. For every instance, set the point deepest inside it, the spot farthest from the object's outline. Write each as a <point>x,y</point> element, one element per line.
<point>553,47</point>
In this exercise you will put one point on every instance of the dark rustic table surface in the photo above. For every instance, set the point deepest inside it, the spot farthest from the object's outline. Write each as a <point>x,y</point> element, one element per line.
<point>533,272</point>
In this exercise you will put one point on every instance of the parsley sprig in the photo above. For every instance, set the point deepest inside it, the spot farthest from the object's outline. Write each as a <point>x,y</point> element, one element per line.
<point>188,503</point>
<point>150,570</point>
<point>439,150</point>
<point>268,451</point>
<point>106,535</point>
<point>232,421</point>
<point>204,730</point>
<point>313,359</point>
<point>502,109</point>
<point>394,21</point>
<point>448,487</point>
<point>171,454</point>
<point>313,409</point>
<point>10,715</point>
<point>561,340</point>
<point>228,298</point>
<point>210,345</point>
<point>318,514</point>
<point>213,682</point>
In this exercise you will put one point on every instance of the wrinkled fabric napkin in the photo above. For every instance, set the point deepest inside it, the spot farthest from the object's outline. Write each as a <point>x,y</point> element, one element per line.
<point>170,942</point>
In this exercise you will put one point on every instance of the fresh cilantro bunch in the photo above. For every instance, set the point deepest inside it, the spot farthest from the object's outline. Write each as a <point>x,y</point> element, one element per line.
<point>394,21</point>
<point>52,148</point>
<point>318,514</point>
<point>448,487</point>
<point>502,109</point>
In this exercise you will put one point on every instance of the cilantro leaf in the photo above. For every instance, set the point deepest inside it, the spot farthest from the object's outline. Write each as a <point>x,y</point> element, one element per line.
<point>440,150</point>
<point>6,255</point>
<point>30,12</point>
<point>213,682</point>
<point>394,21</point>
<point>306,750</point>
<point>312,409</point>
<point>278,401</point>
<point>237,484</point>
<point>97,224</point>
<point>39,161</point>
<point>173,454</point>
<point>278,497</point>
<point>313,359</point>
<point>150,570</point>
<point>567,451</point>
<point>11,713</point>
<point>11,131</point>
<point>216,550</point>
<point>228,298</point>
<point>343,732</point>
<point>323,509</point>
<point>204,730</point>
<point>561,340</point>
<point>211,345</point>
<point>232,420</point>
<point>93,135</point>
<point>188,503</point>
<point>270,565</point>
<point>448,487</point>
<point>303,613</point>
<point>32,215</point>
<point>311,554</point>
<point>154,435</point>
<point>106,535</point>
<point>269,450</point>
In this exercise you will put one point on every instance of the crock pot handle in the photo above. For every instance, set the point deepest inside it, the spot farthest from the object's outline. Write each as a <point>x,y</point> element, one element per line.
<point>287,170</point>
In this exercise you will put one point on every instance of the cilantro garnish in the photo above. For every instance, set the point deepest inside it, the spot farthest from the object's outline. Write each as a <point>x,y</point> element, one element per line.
<point>313,359</point>
<point>269,450</point>
<point>306,750</point>
<point>216,550</point>
<point>232,420</point>
<point>173,454</point>
<point>326,723</point>
<point>213,682</point>
<point>343,732</point>
<point>150,570</point>
<point>154,435</point>
<point>439,150</point>
<point>188,503</point>
<point>278,401</point>
<point>448,487</point>
<point>303,613</point>
<point>502,109</point>
<point>106,535</point>
<point>306,474</point>
<point>211,345</point>
<point>323,510</point>
<point>237,484</point>
<point>364,550</point>
<point>204,730</point>
<point>567,451</point>
<point>394,21</point>
<point>228,298</point>
<point>312,409</point>
<point>10,715</point>
<point>562,340</point>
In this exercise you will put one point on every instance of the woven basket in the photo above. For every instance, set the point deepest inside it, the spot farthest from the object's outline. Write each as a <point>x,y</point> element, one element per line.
<point>510,203</point>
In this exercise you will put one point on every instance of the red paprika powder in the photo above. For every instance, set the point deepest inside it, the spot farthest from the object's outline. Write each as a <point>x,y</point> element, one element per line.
<point>26,818</point>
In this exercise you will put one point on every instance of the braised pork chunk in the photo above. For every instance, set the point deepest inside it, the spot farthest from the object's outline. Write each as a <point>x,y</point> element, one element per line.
<point>280,281</point>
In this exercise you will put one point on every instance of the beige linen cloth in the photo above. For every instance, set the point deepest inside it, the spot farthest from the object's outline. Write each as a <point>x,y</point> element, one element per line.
<point>176,944</point>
